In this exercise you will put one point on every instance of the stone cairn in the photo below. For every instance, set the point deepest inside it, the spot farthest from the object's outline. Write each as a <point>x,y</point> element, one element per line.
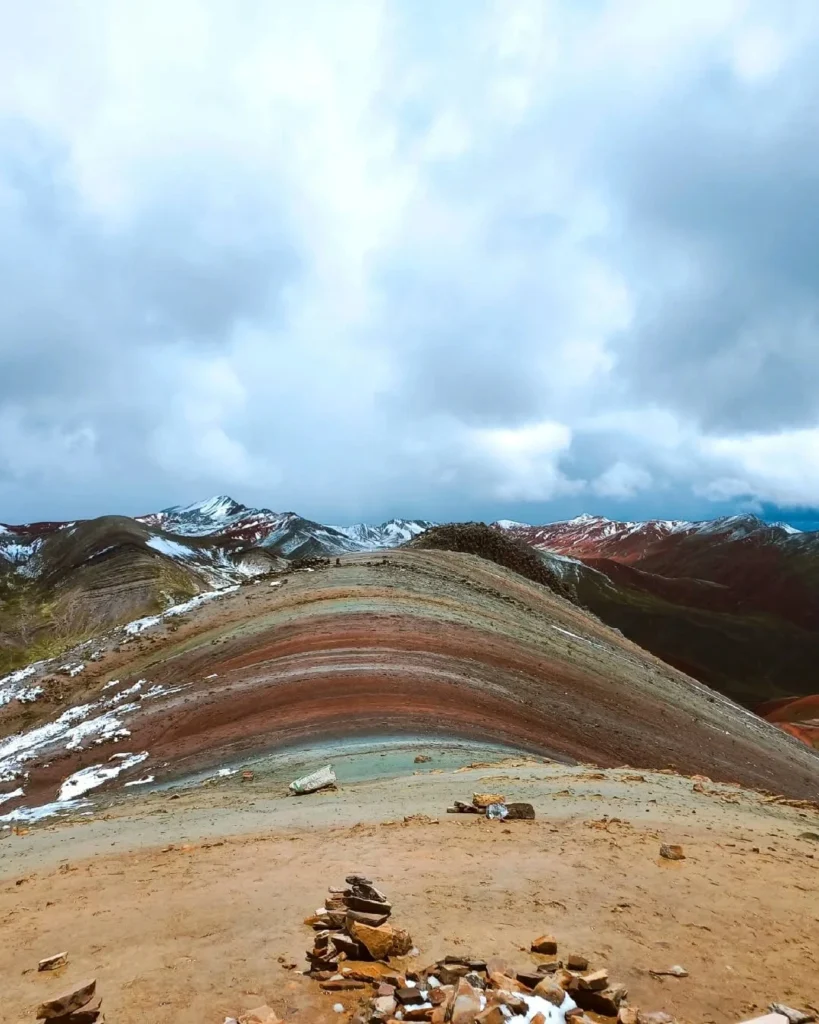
<point>354,942</point>
<point>352,925</point>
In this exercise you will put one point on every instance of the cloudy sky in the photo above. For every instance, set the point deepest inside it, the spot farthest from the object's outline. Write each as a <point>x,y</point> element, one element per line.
<point>460,259</point>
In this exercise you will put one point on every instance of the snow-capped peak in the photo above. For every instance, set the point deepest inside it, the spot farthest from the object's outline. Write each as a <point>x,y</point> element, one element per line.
<point>219,507</point>
<point>390,534</point>
<point>511,524</point>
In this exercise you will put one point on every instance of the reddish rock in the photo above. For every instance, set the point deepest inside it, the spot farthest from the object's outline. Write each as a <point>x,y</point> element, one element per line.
<point>549,966</point>
<point>576,962</point>
<point>491,1015</point>
<point>551,991</point>
<point>596,981</point>
<point>373,920</point>
<point>505,982</point>
<point>606,1002</point>
<point>672,852</point>
<point>466,1005</point>
<point>545,944</point>
<point>529,978</point>
<point>483,800</point>
<point>406,996</point>
<point>383,941</point>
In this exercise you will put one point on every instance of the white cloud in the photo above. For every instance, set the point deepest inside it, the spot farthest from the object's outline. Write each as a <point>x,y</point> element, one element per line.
<point>331,255</point>
<point>782,468</point>
<point>622,480</point>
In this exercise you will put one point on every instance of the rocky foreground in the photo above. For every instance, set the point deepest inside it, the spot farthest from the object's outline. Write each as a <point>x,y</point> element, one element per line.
<point>189,906</point>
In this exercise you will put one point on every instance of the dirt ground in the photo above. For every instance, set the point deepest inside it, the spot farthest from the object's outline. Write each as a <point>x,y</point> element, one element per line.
<point>185,909</point>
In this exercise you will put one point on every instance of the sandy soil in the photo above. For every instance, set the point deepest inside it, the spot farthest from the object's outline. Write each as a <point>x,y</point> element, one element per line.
<point>184,909</point>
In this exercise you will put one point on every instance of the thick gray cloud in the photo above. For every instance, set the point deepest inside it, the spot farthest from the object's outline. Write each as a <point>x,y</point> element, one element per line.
<point>358,261</point>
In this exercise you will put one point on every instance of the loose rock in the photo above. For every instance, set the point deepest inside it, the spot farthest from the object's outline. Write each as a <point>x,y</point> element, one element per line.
<point>51,963</point>
<point>68,1002</point>
<point>545,944</point>
<point>483,800</point>
<point>520,812</point>
<point>794,1016</point>
<point>259,1015</point>
<point>672,852</point>
<point>551,991</point>
<point>672,972</point>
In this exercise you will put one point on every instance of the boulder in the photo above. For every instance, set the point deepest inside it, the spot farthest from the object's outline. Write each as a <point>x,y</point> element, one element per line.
<point>67,1002</point>
<point>576,962</point>
<point>545,944</point>
<point>596,981</point>
<point>321,779</point>
<point>520,812</point>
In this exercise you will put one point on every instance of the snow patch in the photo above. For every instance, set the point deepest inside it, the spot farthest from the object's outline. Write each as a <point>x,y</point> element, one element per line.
<point>140,625</point>
<point>11,796</point>
<point>96,775</point>
<point>141,782</point>
<point>551,1013</point>
<point>31,814</point>
<point>29,695</point>
<point>171,548</point>
<point>576,636</point>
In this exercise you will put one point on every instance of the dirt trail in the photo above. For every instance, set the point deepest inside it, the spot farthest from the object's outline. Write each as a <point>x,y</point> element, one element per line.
<point>183,908</point>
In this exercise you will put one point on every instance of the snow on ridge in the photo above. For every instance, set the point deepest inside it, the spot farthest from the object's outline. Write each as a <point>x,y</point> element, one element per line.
<point>140,625</point>
<point>171,548</point>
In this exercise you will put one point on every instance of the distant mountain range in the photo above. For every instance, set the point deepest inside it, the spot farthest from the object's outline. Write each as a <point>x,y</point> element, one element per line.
<point>733,602</point>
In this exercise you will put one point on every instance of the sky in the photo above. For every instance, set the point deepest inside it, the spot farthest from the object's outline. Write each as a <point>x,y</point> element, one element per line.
<point>519,259</point>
